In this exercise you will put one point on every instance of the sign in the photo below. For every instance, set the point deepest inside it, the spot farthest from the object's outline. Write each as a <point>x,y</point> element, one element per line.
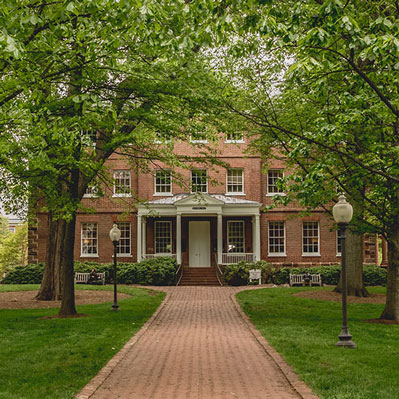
<point>198,208</point>
<point>255,274</point>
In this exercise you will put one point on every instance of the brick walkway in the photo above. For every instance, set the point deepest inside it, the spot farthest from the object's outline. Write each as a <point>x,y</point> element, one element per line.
<point>198,345</point>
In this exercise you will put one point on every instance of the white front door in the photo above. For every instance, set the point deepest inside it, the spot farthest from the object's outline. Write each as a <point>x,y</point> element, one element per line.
<point>199,244</point>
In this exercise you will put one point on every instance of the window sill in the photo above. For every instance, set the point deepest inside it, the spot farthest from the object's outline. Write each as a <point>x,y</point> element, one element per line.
<point>234,141</point>
<point>274,194</point>
<point>310,255</point>
<point>277,255</point>
<point>89,256</point>
<point>199,141</point>
<point>339,254</point>
<point>121,195</point>
<point>238,194</point>
<point>162,195</point>
<point>90,196</point>
<point>123,256</point>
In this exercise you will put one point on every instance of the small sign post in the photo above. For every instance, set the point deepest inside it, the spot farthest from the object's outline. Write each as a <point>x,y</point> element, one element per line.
<point>255,274</point>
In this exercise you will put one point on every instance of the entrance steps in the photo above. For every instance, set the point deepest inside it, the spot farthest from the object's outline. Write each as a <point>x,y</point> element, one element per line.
<point>205,276</point>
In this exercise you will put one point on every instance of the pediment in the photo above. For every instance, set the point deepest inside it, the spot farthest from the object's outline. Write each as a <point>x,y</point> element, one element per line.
<point>198,200</point>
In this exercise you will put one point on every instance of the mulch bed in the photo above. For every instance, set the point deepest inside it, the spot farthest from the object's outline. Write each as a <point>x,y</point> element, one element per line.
<point>26,299</point>
<point>336,297</point>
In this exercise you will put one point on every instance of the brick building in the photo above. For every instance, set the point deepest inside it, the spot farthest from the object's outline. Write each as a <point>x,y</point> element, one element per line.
<point>225,224</point>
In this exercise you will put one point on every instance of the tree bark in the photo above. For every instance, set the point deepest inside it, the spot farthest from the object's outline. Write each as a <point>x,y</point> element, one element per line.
<point>51,286</point>
<point>391,310</point>
<point>354,266</point>
<point>67,270</point>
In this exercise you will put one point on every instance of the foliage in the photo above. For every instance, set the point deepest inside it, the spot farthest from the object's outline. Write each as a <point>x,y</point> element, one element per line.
<point>31,274</point>
<point>14,248</point>
<point>157,271</point>
<point>67,352</point>
<point>238,273</point>
<point>304,332</point>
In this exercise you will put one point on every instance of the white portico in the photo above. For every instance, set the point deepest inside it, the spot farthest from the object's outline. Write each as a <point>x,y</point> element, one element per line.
<point>199,229</point>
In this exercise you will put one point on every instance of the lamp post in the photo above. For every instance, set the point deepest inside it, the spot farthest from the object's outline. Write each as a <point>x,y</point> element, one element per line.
<point>115,236</point>
<point>343,212</point>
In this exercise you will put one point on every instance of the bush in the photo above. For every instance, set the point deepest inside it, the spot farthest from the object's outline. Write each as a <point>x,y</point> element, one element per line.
<point>157,271</point>
<point>238,273</point>
<point>31,274</point>
<point>374,275</point>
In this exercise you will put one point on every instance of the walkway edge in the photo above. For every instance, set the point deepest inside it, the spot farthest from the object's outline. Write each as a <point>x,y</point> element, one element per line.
<point>89,389</point>
<point>295,382</point>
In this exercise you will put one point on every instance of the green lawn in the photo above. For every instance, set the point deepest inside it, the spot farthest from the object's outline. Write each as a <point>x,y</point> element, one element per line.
<point>55,358</point>
<point>304,332</point>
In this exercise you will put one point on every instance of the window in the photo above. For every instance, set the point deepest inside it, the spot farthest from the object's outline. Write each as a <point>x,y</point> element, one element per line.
<point>199,181</point>
<point>163,182</point>
<point>123,247</point>
<point>235,236</point>
<point>89,138</point>
<point>162,137</point>
<point>276,239</point>
<point>273,179</point>
<point>310,238</point>
<point>163,237</point>
<point>91,191</point>
<point>235,137</point>
<point>235,181</point>
<point>339,242</point>
<point>89,239</point>
<point>121,183</point>
<point>198,138</point>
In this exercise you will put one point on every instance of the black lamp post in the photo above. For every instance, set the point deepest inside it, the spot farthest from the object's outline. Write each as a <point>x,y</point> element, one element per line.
<point>115,236</point>
<point>343,212</point>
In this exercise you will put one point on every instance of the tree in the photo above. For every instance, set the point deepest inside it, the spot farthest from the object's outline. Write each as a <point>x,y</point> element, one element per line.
<point>333,106</point>
<point>123,71</point>
<point>14,248</point>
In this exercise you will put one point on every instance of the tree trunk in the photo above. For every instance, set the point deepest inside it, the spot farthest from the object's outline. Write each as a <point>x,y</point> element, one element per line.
<point>68,285</point>
<point>50,289</point>
<point>354,266</point>
<point>391,311</point>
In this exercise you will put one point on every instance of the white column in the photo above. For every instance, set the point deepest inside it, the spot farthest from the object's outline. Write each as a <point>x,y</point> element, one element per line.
<point>139,238</point>
<point>256,227</point>
<point>220,238</point>
<point>144,233</point>
<point>178,239</point>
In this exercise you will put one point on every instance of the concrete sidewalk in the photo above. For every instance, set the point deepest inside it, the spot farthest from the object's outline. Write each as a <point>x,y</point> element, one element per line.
<point>200,345</point>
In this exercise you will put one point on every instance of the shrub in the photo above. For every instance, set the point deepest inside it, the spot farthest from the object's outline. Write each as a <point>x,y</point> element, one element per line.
<point>374,275</point>
<point>157,271</point>
<point>31,274</point>
<point>329,274</point>
<point>238,273</point>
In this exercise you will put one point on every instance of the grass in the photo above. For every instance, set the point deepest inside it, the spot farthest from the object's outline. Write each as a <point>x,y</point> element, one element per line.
<point>56,358</point>
<point>304,332</point>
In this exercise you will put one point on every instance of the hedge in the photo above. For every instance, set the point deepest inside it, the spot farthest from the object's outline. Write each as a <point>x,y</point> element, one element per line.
<point>237,274</point>
<point>157,271</point>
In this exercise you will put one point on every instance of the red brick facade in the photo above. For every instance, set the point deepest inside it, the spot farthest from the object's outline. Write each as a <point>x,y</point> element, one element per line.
<point>110,209</point>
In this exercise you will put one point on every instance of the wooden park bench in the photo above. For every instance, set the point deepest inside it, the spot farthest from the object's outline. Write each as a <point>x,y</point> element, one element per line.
<point>83,278</point>
<point>298,279</point>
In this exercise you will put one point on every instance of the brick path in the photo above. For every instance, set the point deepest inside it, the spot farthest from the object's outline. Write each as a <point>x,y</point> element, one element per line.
<point>198,345</point>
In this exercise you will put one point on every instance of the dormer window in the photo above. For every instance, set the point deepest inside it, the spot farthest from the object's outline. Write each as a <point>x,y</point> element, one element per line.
<point>198,137</point>
<point>234,137</point>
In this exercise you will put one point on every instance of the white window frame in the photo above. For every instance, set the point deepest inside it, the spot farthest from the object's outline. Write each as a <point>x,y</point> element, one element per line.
<point>159,139</point>
<point>269,193</point>
<point>84,237</point>
<point>127,194</point>
<point>166,193</point>
<point>206,181</point>
<point>230,140</point>
<point>318,239</point>
<point>276,254</point>
<point>337,240</point>
<point>91,192</point>
<point>198,141</point>
<point>242,222</point>
<point>121,226</point>
<point>242,182</point>
<point>170,236</point>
